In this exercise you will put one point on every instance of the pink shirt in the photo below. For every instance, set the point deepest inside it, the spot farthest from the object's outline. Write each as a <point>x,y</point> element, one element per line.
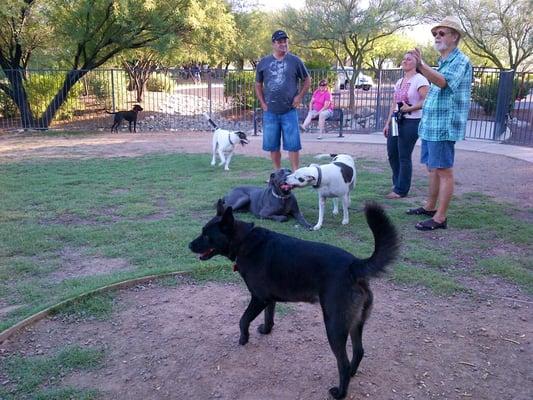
<point>319,98</point>
<point>406,91</point>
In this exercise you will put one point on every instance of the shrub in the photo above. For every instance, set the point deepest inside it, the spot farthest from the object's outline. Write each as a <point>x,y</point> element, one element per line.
<point>240,86</point>
<point>159,83</point>
<point>41,89</point>
<point>8,108</point>
<point>485,91</point>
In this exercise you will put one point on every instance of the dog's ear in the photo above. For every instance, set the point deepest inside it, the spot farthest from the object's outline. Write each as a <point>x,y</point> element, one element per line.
<point>227,219</point>
<point>220,207</point>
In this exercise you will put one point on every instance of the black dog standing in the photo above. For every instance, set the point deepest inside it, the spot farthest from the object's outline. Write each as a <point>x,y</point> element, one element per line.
<point>277,267</point>
<point>130,116</point>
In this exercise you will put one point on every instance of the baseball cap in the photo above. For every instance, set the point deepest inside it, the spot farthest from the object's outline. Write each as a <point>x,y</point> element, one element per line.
<point>279,35</point>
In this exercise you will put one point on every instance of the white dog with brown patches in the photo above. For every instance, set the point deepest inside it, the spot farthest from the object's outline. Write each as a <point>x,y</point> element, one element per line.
<point>336,180</point>
<point>224,142</point>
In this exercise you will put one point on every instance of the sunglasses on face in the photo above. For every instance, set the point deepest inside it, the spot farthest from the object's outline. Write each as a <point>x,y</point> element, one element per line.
<point>439,33</point>
<point>322,84</point>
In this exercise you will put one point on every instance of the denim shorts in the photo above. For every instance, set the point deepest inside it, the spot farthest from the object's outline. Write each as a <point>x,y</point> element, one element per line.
<point>439,154</point>
<point>276,126</point>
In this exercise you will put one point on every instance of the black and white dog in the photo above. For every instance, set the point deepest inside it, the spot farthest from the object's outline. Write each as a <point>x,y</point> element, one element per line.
<point>224,143</point>
<point>334,180</point>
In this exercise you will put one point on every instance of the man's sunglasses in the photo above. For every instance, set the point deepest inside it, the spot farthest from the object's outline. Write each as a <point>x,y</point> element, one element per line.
<point>440,33</point>
<point>322,84</point>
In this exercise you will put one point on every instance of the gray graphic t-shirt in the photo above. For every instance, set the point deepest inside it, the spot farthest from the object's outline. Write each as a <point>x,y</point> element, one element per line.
<point>280,81</point>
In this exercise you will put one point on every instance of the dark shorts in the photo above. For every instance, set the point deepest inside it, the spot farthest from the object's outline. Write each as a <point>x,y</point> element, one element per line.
<point>437,154</point>
<point>276,126</point>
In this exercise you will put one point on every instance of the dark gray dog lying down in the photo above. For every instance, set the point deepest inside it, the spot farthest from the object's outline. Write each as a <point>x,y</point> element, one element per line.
<point>274,202</point>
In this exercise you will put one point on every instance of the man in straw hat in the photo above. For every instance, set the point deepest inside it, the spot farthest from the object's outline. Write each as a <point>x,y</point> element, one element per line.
<point>443,121</point>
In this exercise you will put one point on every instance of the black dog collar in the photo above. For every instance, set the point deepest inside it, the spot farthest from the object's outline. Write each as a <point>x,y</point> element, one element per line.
<point>319,179</point>
<point>277,196</point>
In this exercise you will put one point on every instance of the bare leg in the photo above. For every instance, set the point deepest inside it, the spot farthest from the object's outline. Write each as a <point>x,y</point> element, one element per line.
<point>434,183</point>
<point>294,157</point>
<point>445,176</point>
<point>275,156</point>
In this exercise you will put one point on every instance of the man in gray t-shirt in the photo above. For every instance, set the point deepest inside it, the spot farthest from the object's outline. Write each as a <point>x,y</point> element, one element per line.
<point>277,81</point>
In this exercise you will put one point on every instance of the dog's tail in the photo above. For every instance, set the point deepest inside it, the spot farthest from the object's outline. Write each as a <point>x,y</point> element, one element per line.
<point>215,126</point>
<point>386,242</point>
<point>109,112</point>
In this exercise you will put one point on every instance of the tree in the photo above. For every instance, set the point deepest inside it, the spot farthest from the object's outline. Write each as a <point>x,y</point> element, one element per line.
<point>91,32</point>
<point>348,29</point>
<point>389,48</point>
<point>254,31</point>
<point>498,30</point>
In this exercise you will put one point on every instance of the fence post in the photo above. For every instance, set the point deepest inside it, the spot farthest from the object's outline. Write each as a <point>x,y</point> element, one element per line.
<point>209,94</point>
<point>112,91</point>
<point>378,101</point>
<point>503,102</point>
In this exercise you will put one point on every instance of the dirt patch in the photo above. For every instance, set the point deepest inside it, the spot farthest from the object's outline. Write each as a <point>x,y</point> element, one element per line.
<point>182,342</point>
<point>75,263</point>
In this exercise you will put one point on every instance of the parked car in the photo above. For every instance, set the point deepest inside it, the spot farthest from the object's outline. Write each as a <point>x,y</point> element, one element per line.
<point>362,81</point>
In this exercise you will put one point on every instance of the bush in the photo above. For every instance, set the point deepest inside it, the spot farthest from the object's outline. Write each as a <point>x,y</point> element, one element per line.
<point>8,108</point>
<point>485,91</point>
<point>240,86</point>
<point>99,85</point>
<point>41,89</point>
<point>159,83</point>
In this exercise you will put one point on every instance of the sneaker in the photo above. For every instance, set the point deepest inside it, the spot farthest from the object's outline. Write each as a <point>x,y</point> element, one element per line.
<point>319,137</point>
<point>303,129</point>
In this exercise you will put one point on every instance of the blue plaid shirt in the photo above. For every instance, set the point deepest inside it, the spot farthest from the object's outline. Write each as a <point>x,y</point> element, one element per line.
<point>445,111</point>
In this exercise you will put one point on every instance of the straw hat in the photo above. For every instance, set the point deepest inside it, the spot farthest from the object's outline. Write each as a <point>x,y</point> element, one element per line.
<point>452,23</point>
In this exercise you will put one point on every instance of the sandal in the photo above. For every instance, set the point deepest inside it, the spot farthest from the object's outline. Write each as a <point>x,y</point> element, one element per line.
<point>421,211</point>
<point>431,225</point>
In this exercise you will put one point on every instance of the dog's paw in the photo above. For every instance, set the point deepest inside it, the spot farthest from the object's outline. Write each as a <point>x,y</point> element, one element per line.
<point>243,339</point>
<point>264,329</point>
<point>335,211</point>
<point>317,227</point>
<point>336,393</point>
<point>213,163</point>
<point>345,221</point>
<point>226,169</point>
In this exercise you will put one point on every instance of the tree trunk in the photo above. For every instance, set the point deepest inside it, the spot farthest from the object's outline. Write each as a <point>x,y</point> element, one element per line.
<point>47,117</point>
<point>20,97</point>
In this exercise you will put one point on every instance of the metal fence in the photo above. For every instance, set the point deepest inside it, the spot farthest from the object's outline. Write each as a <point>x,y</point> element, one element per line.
<point>173,99</point>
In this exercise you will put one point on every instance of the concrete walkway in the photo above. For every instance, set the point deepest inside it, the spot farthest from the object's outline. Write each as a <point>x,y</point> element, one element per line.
<point>479,145</point>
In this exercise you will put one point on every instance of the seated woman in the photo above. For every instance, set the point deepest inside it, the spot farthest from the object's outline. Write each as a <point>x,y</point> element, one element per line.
<point>320,106</point>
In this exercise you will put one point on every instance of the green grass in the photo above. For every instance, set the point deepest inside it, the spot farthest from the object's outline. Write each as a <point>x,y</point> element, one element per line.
<point>437,282</point>
<point>145,210</point>
<point>27,376</point>
<point>97,307</point>
<point>515,270</point>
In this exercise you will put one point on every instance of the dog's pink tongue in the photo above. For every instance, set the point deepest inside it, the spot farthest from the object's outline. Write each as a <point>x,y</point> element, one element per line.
<point>286,186</point>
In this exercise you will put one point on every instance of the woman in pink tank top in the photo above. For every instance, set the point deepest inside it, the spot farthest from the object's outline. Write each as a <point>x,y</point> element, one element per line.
<point>405,112</point>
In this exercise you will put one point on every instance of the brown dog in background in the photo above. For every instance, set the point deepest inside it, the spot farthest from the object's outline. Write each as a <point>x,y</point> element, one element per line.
<point>130,116</point>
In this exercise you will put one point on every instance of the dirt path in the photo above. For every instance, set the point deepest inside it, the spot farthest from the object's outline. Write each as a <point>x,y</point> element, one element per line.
<point>180,342</point>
